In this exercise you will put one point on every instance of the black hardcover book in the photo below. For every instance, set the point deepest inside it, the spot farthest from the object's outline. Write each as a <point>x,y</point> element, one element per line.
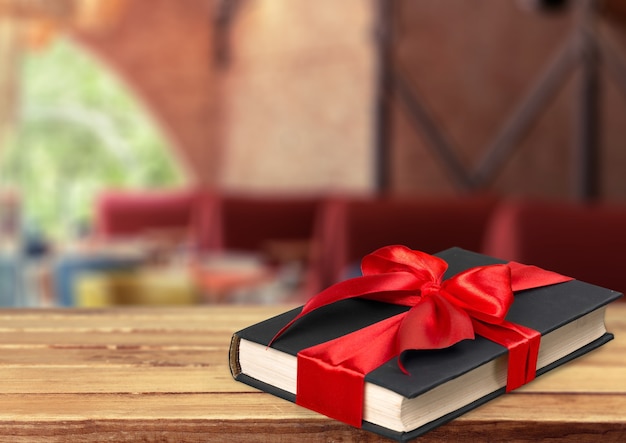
<point>443,383</point>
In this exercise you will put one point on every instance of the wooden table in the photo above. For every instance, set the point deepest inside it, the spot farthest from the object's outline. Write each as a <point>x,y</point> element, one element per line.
<point>161,374</point>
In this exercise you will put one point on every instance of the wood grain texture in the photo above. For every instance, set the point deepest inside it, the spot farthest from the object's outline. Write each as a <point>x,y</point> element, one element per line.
<point>161,374</point>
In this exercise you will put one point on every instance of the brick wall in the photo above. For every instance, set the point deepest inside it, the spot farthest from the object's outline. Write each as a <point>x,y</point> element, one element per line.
<point>471,64</point>
<point>300,97</point>
<point>293,110</point>
<point>163,49</point>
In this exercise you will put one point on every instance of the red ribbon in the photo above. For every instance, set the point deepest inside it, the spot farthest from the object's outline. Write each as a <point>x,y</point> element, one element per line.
<point>331,375</point>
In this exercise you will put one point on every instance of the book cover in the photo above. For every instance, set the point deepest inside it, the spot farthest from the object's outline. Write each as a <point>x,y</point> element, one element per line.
<point>544,309</point>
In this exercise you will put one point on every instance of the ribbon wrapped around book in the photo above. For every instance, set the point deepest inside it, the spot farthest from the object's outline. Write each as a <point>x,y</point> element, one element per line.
<point>442,312</point>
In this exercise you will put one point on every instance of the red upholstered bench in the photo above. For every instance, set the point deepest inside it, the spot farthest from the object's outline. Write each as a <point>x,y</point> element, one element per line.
<point>125,213</point>
<point>350,228</point>
<point>585,241</point>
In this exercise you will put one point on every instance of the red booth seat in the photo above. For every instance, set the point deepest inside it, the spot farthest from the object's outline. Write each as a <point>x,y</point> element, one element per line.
<point>583,241</point>
<point>331,235</point>
<point>353,227</point>
<point>122,213</point>
<point>256,222</point>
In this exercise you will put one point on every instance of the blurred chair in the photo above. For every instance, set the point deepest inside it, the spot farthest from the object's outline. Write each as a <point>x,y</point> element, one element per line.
<point>584,241</point>
<point>205,227</point>
<point>277,230</point>
<point>134,228</point>
<point>353,227</point>
<point>125,213</point>
<point>279,226</point>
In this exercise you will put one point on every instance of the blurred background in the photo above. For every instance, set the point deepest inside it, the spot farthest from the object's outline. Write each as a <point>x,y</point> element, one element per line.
<point>251,151</point>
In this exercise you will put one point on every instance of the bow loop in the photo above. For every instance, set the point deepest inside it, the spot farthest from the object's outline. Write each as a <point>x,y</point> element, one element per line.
<point>424,267</point>
<point>483,292</point>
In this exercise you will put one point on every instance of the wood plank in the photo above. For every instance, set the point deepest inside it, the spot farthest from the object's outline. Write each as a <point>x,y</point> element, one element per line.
<point>160,374</point>
<point>228,317</point>
<point>133,379</point>
<point>145,329</point>
<point>260,418</point>
<point>138,311</point>
<point>563,407</point>
<point>232,317</point>
<point>574,378</point>
<point>192,317</point>
<point>611,354</point>
<point>161,406</point>
<point>253,431</point>
<point>216,377</point>
<point>180,339</point>
<point>296,431</point>
<point>583,408</point>
<point>99,357</point>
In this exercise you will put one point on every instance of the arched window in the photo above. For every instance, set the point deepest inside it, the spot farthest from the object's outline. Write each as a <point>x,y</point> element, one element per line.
<point>78,130</point>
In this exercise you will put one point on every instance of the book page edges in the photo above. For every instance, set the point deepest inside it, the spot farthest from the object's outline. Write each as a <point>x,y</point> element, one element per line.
<point>267,367</point>
<point>491,376</point>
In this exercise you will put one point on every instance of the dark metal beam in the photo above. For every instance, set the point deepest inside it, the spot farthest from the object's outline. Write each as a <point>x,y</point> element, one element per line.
<point>614,62</point>
<point>384,87</point>
<point>222,21</point>
<point>523,117</point>
<point>586,149</point>
<point>582,48</point>
<point>435,138</point>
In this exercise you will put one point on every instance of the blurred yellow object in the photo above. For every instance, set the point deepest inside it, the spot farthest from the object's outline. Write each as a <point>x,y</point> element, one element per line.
<point>149,287</point>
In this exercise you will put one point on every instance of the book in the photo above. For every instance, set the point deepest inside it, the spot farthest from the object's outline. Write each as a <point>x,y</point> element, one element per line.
<point>440,384</point>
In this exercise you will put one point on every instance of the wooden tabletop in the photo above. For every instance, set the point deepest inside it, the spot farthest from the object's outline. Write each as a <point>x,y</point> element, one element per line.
<point>161,374</point>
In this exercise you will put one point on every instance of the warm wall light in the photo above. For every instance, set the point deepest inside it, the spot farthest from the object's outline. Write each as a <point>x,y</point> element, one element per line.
<point>97,14</point>
<point>42,19</point>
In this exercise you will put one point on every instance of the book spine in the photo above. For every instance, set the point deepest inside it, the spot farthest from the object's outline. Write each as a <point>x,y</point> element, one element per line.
<point>233,356</point>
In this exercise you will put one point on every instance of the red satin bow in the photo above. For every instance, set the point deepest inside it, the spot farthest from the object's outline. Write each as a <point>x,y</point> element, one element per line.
<point>330,375</point>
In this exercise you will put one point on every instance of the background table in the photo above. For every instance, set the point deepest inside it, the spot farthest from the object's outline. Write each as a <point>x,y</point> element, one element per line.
<point>161,374</point>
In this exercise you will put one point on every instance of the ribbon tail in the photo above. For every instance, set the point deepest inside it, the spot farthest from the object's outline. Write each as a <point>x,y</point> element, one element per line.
<point>523,344</point>
<point>529,277</point>
<point>331,376</point>
<point>374,287</point>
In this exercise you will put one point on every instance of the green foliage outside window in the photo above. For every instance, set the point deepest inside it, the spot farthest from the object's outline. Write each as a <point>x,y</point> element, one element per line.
<point>79,130</point>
